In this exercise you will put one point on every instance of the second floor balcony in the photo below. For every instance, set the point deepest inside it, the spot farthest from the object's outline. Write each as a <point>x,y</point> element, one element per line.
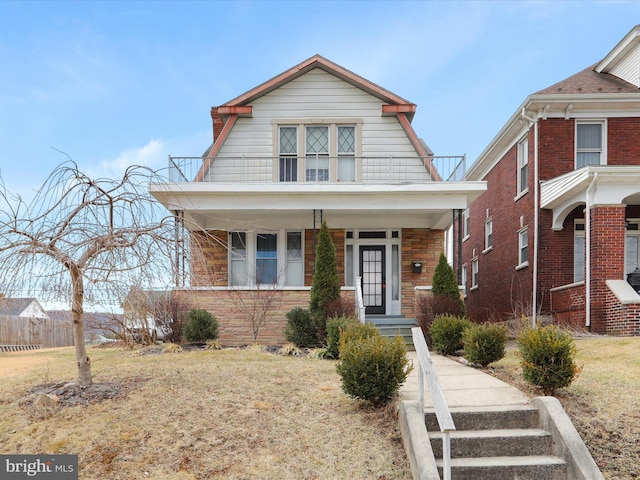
<point>318,169</point>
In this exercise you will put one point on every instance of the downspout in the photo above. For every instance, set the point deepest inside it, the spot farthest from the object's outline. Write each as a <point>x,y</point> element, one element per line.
<point>536,206</point>
<point>587,248</point>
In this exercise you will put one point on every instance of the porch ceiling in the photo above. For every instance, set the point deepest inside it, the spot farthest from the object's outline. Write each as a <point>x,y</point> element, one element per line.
<point>605,185</point>
<point>224,206</point>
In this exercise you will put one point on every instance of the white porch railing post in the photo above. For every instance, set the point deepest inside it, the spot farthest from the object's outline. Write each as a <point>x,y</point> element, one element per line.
<point>360,310</point>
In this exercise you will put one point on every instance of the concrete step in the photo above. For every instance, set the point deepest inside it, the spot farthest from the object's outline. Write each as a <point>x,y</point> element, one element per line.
<point>487,418</point>
<point>537,467</point>
<point>494,443</point>
<point>393,326</point>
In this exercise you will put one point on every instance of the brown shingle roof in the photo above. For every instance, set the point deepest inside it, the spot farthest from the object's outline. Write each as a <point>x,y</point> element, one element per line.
<point>589,81</point>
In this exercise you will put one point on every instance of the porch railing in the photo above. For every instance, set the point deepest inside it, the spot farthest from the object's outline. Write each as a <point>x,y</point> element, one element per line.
<point>443,414</point>
<point>261,169</point>
<point>359,301</point>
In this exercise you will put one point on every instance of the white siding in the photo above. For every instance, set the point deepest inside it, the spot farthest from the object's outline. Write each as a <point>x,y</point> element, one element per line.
<point>34,311</point>
<point>314,97</point>
<point>629,68</point>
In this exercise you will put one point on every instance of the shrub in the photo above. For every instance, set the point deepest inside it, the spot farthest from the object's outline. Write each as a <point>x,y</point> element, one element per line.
<point>484,344</point>
<point>357,331</point>
<point>200,326</point>
<point>300,329</point>
<point>446,332</point>
<point>373,368</point>
<point>547,357</point>
<point>335,327</point>
<point>444,280</point>
<point>326,284</point>
<point>428,307</point>
<point>341,307</point>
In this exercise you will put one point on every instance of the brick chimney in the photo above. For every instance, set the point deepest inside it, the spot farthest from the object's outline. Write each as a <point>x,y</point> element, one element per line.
<point>218,124</point>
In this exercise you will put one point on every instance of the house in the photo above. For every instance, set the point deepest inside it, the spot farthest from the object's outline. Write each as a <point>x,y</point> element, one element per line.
<point>558,230</point>
<point>26,308</point>
<point>315,143</point>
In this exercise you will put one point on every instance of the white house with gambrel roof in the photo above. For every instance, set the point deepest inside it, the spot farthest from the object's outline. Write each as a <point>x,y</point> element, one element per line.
<point>317,142</point>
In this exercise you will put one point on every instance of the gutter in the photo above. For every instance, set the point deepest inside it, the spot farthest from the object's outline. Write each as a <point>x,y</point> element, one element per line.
<point>536,207</point>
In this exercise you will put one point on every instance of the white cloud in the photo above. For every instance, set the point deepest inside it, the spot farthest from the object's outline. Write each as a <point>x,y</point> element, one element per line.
<point>152,155</point>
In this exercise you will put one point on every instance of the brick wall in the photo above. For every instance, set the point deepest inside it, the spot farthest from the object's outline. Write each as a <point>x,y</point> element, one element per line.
<point>209,259</point>
<point>623,141</point>
<point>621,319</point>
<point>230,308</point>
<point>420,245</point>
<point>568,306</point>
<point>607,257</point>
<point>502,290</point>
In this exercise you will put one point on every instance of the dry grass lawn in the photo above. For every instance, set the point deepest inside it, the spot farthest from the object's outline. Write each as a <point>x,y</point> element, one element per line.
<point>232,414</point>
<point>603,401</point>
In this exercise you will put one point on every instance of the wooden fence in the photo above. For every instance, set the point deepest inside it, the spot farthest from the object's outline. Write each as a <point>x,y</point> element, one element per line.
<point>34,331</point>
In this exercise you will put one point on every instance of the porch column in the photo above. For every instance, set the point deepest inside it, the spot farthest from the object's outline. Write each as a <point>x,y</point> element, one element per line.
<point>607,231</point>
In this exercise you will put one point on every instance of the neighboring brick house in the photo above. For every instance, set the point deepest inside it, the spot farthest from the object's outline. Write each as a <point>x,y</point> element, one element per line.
<point>528,244</point>
<point>317,142</point>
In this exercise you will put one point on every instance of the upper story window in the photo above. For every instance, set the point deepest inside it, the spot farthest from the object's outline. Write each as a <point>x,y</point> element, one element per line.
<point>322,152</point>
<point>288,151</point>
<point>465,223</point>
<point>488,234</point>
<point>346,153</point>
<point>523,166</point>
<point>590,143</point>
<point>317,153</point>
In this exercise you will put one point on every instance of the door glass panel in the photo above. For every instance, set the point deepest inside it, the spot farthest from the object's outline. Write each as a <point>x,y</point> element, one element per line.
<point>395,272</point>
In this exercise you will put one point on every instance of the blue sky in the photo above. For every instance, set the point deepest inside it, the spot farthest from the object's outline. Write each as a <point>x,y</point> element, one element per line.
<point>123,82</point>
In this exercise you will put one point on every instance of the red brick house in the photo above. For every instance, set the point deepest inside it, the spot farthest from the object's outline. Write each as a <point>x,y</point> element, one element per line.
<point>317,142</point>
<point>558,229</point>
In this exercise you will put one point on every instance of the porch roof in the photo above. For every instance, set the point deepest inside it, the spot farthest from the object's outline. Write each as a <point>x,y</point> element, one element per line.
<point>290,205</point>
<point>595,185</point>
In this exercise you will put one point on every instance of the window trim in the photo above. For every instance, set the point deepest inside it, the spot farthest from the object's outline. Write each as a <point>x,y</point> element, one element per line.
<point>576,234</point>
<point>463,278</point>
<point>488,235</point>
<point>475,276</point>
<point>603,141</point>
<point>466,224</point>
<point>522,162</point>
<point>520,264</point>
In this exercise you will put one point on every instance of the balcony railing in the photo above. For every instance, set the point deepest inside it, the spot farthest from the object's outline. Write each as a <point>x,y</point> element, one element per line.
<point>246,169</point>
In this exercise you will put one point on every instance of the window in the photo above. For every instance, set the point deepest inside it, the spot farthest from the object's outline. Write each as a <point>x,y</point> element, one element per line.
<point>523,247</point>
<point>632,247</point>
<point>317,154</point>
<point>349,274</point>
<point>266,259</point>
<point>488,234</point>
<point>463,278</point>
<point>465,223</point>
<point>523,166</point>
<point>474,273</point>
<point>295,264</point>
<point>238,258</point>
<point>288,154</point>
<point>578,251</point>
<point>346,153</point>
<point>589,144</point>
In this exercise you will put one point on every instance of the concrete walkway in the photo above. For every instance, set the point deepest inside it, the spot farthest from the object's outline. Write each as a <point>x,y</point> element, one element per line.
<point>463,386</point>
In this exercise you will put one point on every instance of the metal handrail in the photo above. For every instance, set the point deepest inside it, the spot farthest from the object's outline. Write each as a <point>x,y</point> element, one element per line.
<point>360,309</point>
<point>372,169</point>
<point>443,414</point>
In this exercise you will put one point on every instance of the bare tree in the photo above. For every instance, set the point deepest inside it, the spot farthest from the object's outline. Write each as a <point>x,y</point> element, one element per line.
<point>169,312</point>
<point>84,241</point>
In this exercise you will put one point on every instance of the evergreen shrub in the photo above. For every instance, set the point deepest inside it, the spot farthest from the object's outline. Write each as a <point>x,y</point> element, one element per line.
<point>484,344</point>
<point>446,333</point>
<point>300,329</point>
<point>373,368</point>
<point>200,326</point>
<point>335,327</point>
<point>548,357</point>
<point>357,331</point>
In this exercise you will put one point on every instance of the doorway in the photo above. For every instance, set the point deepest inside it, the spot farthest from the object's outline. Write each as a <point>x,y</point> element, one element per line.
<point>372,270</point>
